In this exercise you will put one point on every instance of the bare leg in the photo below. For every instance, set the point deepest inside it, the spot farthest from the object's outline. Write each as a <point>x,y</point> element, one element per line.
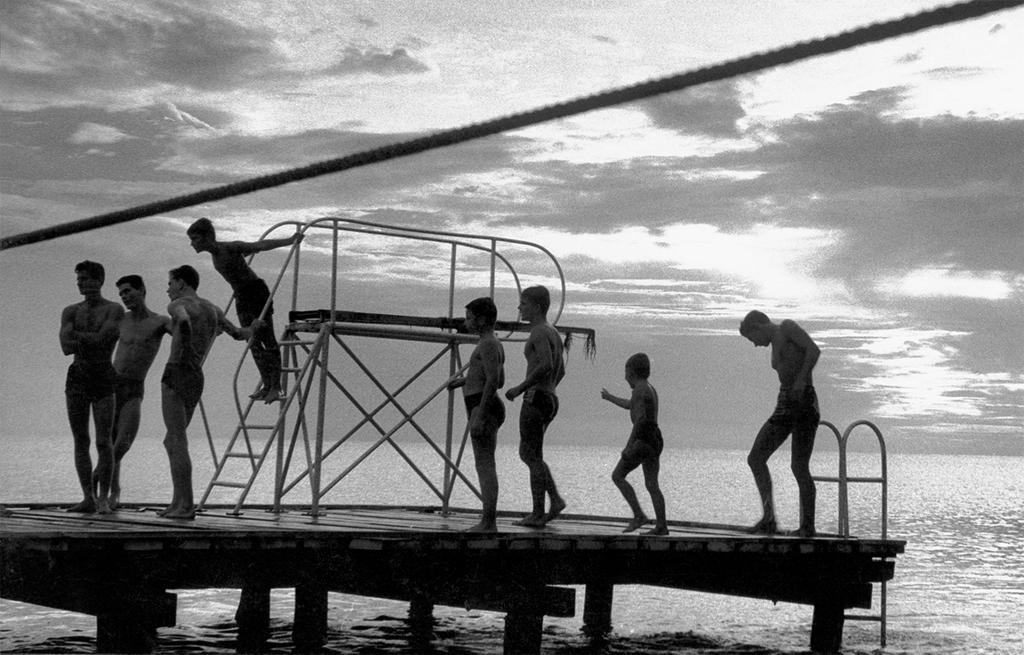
<point>531,444</point>
<point>103,414</point>
<point>800,463</point>
<point>78,418</point>
<point>652,467</point>
<point>768,440</point>
<point>127,428</point>
<point>557,502</point>
<point>622,469</point>
<point>176,443</point>
<point>487,474</point>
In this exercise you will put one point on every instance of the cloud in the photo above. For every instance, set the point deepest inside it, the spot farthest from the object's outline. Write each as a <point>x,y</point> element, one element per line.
<point>96,133</point>
<point>59,52</point>
<point>710,109</point>
<point>374,61</point>
<point>946,283</point>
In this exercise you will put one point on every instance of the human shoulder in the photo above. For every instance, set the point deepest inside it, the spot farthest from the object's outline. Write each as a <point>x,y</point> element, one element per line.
<point>489,346</point>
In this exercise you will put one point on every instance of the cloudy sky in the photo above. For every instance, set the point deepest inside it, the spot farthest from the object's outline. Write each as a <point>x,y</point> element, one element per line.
<point>876,196</point>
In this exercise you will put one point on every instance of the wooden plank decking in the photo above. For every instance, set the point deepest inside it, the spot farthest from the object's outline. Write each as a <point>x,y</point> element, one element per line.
<point>121,565</point>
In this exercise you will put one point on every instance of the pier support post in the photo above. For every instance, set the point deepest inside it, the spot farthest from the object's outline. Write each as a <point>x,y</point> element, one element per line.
<point>253,617</point>
<point>827,627</point>
<point>127,619</point>
<point>524,621</point>
<point>597,608</point>
<point>309,631</point>
<point>421,615</point>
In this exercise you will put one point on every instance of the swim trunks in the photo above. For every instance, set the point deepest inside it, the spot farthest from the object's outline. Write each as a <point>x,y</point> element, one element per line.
<point>543,402</point>
<point>494,412</point>
<point>539,409</point>
<point>645,443</point>
<point>790,413</point>
<point>250,297</point>
<point>90,381</point>
<point>187,382</point>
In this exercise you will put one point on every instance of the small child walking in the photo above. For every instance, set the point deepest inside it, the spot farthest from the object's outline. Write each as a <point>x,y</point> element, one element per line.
<point>644,445</point>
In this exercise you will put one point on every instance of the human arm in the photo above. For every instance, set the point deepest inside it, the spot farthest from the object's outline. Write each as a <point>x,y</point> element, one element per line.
<point>799,338</point>
<point>249,247</point>
<point>624,403</point>
<point>103,338</point>
<point>68,343</point>
<point>540,362</point>
<point>237,333</point>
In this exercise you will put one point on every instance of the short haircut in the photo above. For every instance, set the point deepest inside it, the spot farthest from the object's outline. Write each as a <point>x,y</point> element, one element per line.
<point>640,364</point>
<point>485,309</point>
<point>186,274</point>
<point>752,321</point>
<point>134,281</point>
<point>92,269</point>
<point>201,226</point>
<point>540,295</point>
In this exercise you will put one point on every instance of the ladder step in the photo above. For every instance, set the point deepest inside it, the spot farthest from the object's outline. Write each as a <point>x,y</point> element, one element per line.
<point>233,485</point>
<point>296,342</point>
<point>291,369</point>
<point>260,427</point>
<point>241,455</point>
<point>862,617</point>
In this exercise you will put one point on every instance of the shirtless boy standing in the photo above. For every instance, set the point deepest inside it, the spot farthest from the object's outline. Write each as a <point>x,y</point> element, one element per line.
<point>794,355</point>
<point>486,412</point>
<point>88,330</point>
<point>141,332</point>
<point>195,323</point>
<point>544,370</point>
<point>251,294</point>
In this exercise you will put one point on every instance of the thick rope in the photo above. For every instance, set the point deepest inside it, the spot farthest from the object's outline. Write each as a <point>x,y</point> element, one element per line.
<point>745,65</point>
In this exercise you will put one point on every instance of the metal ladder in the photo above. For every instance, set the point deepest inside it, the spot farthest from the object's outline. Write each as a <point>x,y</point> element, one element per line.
<point>241,445</point>
<point>844,480</point>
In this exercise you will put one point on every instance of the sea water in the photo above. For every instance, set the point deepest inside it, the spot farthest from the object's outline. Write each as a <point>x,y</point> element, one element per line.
<point>959,588</point>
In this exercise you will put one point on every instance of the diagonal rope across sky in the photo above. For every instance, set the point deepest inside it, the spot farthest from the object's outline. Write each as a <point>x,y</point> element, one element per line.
<point>716,72</point>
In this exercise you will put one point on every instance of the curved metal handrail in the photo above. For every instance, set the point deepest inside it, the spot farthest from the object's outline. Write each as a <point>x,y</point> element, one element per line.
<point>496,247</point>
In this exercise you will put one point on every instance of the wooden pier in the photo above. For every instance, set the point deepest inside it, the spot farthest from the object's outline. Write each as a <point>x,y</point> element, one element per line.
<point>119,567</point>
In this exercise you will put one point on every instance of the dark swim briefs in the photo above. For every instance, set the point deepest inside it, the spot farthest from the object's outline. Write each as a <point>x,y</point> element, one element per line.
<point>91,381</point>
<point>187,382</point>
<point>791,413</point>
<point>250,297</point>
<point>543,402</point>
<point>494,411</point>
<point>645,443</point>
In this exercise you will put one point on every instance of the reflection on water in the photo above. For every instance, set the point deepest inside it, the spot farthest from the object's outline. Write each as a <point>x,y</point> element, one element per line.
<point>958,588</point>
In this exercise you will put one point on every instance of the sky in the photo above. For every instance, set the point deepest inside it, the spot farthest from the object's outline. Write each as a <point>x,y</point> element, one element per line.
<point>875,196</point>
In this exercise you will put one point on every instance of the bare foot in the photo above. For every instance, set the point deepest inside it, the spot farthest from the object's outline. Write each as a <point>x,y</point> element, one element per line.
<point>103,506</point>
<point>531,521</point>
<point>165,511</point>
<point>181,513</point>
<point>557,506</point>
<point>804,532</point>
<point>259,393</point>
<point>764,526</point>
<point>84,507</point>
<point>272,396</point>
<point>115,500</point>
<point>637,522</point>
<point>483,526</point>
<point>658,530</point>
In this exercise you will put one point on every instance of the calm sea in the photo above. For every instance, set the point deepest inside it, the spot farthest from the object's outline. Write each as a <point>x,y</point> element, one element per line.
<point>958,589</point>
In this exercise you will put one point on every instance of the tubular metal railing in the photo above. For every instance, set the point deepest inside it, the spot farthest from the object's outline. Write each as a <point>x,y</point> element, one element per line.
<point>844,480</point>
<point>307,361</point>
